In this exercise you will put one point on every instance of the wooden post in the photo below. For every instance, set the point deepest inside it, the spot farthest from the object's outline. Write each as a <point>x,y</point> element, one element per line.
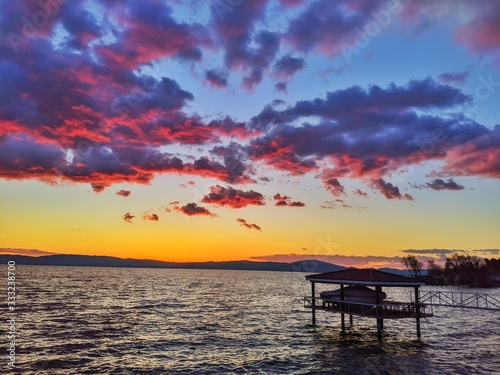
<point>342,315</point>
<point>380,322</point>
<point>313,294</point>
<point>417,299</point>
<point>350,320</point>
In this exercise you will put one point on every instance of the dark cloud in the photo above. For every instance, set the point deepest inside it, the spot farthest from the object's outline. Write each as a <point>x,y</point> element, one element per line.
<point>439,184</point>
<point>192,209</point>
<point>150,33</point>
<point>233,198</point>
<point>123,193</point>
<point>281,86</point>
<point>216,78</point>
<point>287,66</point>
<point>332,184</point>
<point>246,224</point>
<point>389,190</point>
<point>246,50</point>
<point>128,217</point>
<point>329,25</point>
<point>99,186</point>
<point>284,200</point>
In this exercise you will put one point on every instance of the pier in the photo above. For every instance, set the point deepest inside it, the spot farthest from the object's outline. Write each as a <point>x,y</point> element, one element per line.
<point>355,298</point>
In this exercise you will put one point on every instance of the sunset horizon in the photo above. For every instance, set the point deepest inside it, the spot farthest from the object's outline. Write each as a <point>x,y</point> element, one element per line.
<point>209,133</point>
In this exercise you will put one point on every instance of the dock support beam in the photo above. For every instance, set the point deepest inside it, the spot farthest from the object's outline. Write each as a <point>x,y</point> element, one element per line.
<point>313,294</point>
<point>342,315</point>
<point>417,300</point>
<point>350,320</point>
<point>380,322</point>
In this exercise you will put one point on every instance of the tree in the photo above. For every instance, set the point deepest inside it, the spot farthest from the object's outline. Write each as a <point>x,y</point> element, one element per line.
<point>435,272</point>
<point>413,265</point>
<point>466,269</point>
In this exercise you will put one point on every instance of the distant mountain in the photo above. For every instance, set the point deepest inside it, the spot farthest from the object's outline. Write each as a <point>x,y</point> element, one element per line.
<point>311,266</point>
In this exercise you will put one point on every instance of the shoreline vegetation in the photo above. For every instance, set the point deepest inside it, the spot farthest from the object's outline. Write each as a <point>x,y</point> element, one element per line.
<point>459,269</point>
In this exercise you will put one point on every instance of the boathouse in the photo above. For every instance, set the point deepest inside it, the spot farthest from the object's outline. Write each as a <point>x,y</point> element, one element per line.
<point>361,294</point>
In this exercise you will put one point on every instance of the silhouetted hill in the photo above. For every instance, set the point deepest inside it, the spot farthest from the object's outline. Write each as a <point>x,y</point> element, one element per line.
<point>312,266</point>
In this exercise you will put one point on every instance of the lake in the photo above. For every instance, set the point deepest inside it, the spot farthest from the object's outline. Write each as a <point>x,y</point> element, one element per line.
<point>84,320</point>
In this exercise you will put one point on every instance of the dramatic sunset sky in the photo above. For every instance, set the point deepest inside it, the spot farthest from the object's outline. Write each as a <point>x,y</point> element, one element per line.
<point>349,131</point>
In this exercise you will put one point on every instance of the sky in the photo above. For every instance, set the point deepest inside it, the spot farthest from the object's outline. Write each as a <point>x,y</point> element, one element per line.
<point>354,132</point>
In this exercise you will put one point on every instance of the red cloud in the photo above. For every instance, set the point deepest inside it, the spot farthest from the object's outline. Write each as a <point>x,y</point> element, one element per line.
<point>246,224</point>
<point>234,198</point>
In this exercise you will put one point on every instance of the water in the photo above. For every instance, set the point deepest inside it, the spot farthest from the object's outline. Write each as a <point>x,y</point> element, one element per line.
<point>77,320</point>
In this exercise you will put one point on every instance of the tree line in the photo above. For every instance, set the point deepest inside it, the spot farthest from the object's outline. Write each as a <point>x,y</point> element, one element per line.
<point>459,269</point>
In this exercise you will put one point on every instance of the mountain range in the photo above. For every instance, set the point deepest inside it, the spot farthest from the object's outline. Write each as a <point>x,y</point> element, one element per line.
<point>310,266</point>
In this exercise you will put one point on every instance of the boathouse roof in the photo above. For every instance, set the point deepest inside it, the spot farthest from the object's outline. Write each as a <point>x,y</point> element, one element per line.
<point>364,276</point>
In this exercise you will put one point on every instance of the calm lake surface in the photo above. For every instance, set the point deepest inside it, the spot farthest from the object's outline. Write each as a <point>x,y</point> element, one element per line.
<point>82,320</point>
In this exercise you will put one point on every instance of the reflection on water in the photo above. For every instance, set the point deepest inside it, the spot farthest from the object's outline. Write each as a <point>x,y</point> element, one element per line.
<point>148,321</point>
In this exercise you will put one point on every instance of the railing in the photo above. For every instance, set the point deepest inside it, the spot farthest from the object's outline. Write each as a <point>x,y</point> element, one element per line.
<point>387,309</point>
<point>460,299</point>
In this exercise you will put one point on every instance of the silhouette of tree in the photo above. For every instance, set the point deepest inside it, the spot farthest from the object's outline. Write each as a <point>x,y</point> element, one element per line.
<point>413,265</point>
<point>466,269</point>
<point>435,272</point>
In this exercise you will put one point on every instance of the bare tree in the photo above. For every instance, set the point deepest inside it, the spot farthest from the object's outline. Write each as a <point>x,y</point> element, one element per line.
<point>413,265</point>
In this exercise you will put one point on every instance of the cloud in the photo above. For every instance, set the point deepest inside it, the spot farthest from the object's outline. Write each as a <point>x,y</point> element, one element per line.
<point>283,200</point>
<point>327,26</point>
<point>128,217</point>
<point>150,33</point>
<point>439,184</point>
<point>332,184</point>
<point>281,86</point>
<point>336,204</point>
<point>233,198</point>
<point>287,66</point>
<point>151,217</point>
<point>246,224</point>
<point>480,34</point>
<point>389,190</point>
<point>99,186</point>
<point>192,209</point>
<point>454,78</point>
<point>216,78</point>
<point>26,252</point>
<point>123,193</point>
<point>246,49</point>
<point>360,193</point>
